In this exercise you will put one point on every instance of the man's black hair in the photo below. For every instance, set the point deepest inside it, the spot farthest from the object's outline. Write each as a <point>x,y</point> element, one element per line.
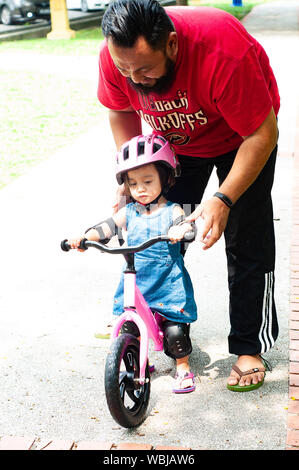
<point>126,20</point>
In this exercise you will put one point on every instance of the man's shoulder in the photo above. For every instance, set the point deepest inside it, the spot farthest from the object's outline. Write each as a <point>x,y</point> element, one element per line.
<point>202,16</point>
<point>204,21</point>
<point>214,29</point>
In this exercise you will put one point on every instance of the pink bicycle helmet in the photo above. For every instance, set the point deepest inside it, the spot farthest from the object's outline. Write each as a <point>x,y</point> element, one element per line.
<point>142,150</point>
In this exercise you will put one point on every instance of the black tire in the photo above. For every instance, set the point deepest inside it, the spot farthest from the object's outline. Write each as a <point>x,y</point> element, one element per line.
<point>127,400</point>
<point>6,16</point>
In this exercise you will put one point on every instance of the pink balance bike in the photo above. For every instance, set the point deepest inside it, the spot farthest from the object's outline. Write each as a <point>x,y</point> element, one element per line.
<point>127,377</point>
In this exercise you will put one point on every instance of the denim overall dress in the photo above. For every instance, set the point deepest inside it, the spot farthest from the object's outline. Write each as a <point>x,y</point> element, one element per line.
<point>161,274</point>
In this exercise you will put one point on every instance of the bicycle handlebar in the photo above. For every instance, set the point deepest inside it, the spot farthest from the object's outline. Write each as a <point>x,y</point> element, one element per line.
<point>85,244</point>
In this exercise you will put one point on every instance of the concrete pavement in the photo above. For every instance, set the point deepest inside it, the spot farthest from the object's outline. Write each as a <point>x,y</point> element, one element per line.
<point>276,25</point>
<point>52,302</point>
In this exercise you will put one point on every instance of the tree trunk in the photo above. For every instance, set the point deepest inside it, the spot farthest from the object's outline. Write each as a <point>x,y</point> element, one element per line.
<point>182,2</point>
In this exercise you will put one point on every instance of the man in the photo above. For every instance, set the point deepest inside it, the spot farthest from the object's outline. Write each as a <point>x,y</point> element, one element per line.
<point>198,78</point>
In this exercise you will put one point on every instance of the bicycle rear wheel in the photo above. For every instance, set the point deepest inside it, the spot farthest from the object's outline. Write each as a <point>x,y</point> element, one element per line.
<point>127,400</point>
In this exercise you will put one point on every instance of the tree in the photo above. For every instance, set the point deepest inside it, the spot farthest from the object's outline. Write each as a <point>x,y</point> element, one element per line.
<point>182,2</point>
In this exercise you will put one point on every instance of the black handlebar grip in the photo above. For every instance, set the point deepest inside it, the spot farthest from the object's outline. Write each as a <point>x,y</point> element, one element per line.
<point>64,245</point>
<point>82,245</point>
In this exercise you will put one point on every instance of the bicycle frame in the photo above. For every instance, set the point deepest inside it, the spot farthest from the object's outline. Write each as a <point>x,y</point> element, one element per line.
<point>137,310</point>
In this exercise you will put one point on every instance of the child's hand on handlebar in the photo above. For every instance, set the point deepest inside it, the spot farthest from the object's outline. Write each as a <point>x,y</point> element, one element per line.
<point>92,235</point>
<point>74,243</point>
<point>177,232</point>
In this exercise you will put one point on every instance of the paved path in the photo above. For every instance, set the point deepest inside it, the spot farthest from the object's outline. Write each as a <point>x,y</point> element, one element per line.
<point>276,25</point>
<point>52,303</point>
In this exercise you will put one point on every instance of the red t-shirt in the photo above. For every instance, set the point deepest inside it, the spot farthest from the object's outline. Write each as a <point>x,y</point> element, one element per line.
<point>224,86</point>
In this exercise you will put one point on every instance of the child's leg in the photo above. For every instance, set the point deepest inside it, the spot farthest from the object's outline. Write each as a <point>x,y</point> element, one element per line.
<point>184,379</point>
<point>177,344</point>
<point>182,364</point>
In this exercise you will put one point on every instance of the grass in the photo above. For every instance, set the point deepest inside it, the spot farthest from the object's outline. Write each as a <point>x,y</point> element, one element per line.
<point>86,42</point>
<point>238,12</point>
<point>40,113</point>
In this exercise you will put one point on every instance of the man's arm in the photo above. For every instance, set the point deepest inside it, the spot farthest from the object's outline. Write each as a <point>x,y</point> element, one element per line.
<point>125,125</point>
<point>249,162</point>
<point>251,158</point>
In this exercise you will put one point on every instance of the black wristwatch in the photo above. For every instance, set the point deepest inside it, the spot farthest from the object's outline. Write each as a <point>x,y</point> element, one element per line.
<point>224,199</point>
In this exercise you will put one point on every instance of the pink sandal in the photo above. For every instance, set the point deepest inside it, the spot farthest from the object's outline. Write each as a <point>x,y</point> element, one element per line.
<point>180,377</point>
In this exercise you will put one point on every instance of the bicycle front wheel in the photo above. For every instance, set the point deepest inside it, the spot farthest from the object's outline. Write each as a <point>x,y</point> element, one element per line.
<point>127,399</point>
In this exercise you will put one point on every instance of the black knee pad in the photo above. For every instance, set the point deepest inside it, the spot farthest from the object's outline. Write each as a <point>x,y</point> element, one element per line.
<point>177,342</point>
<point>131,328</point>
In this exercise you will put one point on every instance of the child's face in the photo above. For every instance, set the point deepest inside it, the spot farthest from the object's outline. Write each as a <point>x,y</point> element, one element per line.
<point>144,183</point>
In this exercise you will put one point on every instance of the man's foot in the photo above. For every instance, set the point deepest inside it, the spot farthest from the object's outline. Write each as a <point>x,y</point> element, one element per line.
<point>247,374</point>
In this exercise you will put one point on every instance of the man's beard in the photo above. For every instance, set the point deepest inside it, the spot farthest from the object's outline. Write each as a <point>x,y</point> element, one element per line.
<point>162,84</point>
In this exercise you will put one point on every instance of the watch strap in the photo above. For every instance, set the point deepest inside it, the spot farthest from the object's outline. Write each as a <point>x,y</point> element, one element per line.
<point>227,201</point>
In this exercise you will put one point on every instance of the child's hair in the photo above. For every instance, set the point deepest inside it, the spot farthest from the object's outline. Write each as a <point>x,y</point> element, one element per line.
<point>166,175</point>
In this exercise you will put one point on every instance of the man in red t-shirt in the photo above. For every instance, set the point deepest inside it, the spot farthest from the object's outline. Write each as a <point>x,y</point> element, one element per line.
<point>198,78</point>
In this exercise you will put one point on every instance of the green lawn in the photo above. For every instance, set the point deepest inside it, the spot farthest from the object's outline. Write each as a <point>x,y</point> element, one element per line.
<point>238,12</point>
<point>40,114</point>
<point>86,42</point>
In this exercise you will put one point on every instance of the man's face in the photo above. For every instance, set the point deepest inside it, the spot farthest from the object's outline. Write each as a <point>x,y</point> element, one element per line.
<point>146,70</point>
<point>161,85</point>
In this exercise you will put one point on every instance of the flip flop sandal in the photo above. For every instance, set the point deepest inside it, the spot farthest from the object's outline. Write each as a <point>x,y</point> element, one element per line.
<point>180,377</point>
<point>248,388</point>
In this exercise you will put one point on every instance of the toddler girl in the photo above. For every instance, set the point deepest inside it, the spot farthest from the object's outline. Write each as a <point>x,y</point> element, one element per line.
<point>148,166</point>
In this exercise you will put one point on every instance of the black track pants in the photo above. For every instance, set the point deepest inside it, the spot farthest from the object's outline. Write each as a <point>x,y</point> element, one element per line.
<point>250,249</point>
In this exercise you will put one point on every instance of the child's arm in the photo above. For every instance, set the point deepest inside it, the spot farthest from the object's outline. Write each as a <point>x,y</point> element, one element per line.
<point>177,232</point>
<point>103,231</point>
<point>109,227</point>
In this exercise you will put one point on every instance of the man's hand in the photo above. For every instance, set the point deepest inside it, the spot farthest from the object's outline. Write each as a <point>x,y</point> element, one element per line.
<point>214,214</point>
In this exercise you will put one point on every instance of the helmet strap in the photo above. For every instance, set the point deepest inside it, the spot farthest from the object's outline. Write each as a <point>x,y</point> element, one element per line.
<point>147,206</point>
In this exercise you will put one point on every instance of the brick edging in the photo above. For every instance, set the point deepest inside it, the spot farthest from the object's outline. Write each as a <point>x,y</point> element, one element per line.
<point>292,440</point>
<point>33,443</point>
